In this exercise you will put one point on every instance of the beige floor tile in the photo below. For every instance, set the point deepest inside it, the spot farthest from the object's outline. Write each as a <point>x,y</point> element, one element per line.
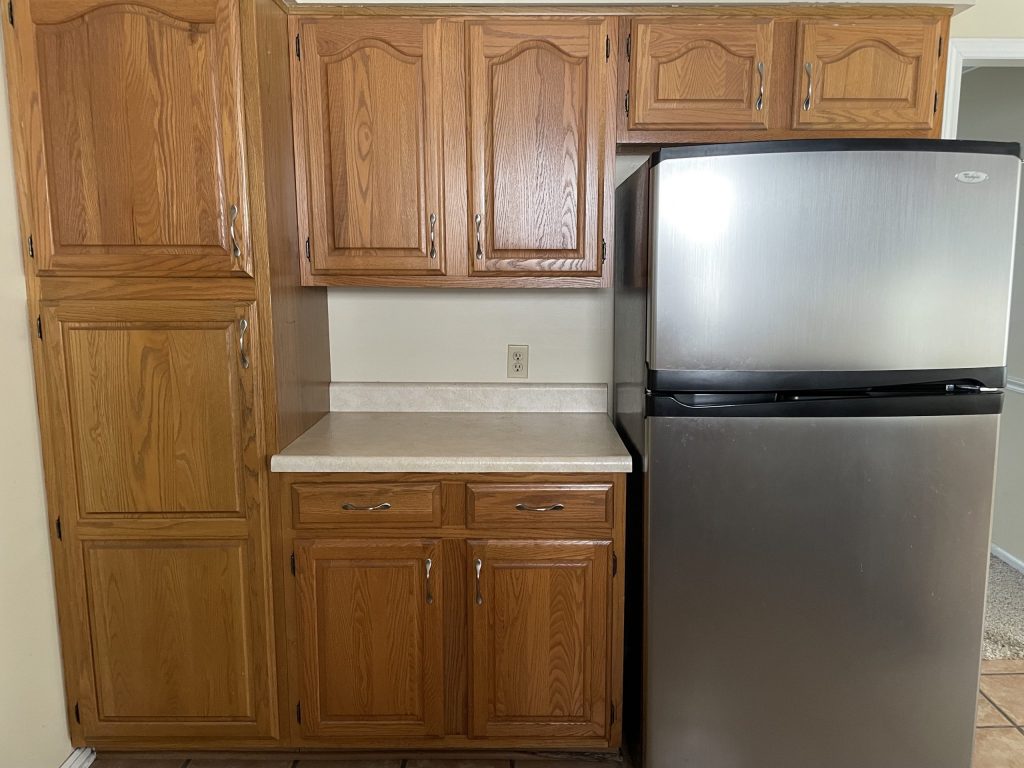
<point>989,716</point>
<point>1007,693</point>
<point>1002,666</point>
<point>998,748</point>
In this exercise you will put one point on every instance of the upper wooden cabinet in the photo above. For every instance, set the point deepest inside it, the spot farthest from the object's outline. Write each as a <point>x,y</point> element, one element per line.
<point>700,73</point>
<point>370,153</point>
<point>537,114</point>
<point>866,72</point>
<point>133,141</point>
<point>724,74</point>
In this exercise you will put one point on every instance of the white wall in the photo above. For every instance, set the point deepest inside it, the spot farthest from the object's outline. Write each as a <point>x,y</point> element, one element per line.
<point>32,722</point>
<point>992,107</point>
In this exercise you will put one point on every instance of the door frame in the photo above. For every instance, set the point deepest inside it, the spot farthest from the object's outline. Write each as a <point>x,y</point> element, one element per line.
<point>973,51</point>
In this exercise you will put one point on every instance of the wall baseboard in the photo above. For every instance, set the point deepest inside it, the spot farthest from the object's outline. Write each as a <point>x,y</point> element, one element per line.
<point>1014,562</point>
<point>82,757</point>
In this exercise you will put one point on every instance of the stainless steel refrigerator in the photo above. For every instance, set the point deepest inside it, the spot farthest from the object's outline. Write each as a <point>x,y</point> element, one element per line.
<point>810,338</point>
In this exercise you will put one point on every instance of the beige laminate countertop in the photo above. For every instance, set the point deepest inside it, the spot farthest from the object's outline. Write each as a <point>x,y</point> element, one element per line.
<point>457,442</point>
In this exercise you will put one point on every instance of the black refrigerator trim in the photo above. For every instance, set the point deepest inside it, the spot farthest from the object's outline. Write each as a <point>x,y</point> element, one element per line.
<point>821,406</point>
<point>837,145</point>
<point>802,381</point>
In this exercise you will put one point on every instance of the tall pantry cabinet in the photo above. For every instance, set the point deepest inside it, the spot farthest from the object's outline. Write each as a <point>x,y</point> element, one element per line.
<point>153,148</point>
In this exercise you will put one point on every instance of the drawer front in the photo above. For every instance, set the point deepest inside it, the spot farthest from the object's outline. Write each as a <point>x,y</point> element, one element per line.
<point>363,504</point>
<point>537,505</point>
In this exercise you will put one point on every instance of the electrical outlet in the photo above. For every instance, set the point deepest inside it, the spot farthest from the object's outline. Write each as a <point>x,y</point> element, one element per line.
<point>518,361</point>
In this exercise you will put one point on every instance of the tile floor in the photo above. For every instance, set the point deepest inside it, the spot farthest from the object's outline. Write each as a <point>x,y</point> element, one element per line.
<point>999,740</point>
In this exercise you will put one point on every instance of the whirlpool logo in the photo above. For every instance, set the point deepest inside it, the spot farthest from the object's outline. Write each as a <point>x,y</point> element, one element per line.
<point>972,177</point>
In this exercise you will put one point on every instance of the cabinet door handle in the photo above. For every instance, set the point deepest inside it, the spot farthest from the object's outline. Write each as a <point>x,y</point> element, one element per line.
<point>553,508</point>
<point>760,93</point>
<point>810,85</point>
<point>479,243</point>
<point>430,597</point>
<point>433,246</point>
<point>243,328</point>
<point>236,252</point>
<point>478,566</point>
<point>373,508</point>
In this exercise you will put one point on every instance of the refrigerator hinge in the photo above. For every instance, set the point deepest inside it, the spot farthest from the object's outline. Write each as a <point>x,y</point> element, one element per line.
<point>298,712</point>
<point>308,257</point>
<point>629,47</point>
<point>615,565</point>
<point>60,532</point>
<point>627,103</point>
<point>10,12</point>
<point>31,247</point>
<point>293,563</point>
<point>604,250</point>
<point>935,106</point>
<point>39,326</point>
<point>298,47</point>
<point>78,714</point>
<point>607,47</point>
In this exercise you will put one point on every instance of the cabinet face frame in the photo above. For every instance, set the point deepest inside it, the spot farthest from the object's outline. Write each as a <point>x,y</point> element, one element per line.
<point>218,19</point>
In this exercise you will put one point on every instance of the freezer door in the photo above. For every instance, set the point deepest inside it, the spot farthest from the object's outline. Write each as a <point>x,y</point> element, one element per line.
<point>815,590</point>
<point>833,260</point>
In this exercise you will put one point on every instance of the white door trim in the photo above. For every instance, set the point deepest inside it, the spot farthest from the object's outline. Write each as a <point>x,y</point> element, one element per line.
<point>968,51</point>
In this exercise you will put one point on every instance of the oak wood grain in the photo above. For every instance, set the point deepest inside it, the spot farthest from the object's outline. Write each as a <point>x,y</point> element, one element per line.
<point>544,505</point>
<point>371,637</point>
<point>343,505</point>
<point>135,131</point>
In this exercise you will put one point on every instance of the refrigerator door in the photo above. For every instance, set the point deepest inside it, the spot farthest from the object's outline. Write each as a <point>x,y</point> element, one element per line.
<point>833,257</point>
<point>815,589</point>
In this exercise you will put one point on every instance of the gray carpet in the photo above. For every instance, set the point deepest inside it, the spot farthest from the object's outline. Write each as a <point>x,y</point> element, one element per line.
<point>1004,612</point>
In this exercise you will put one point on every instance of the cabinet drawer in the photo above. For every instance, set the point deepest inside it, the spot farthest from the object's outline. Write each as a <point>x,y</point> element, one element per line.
<point>362,504</point>
<point>533,505</point>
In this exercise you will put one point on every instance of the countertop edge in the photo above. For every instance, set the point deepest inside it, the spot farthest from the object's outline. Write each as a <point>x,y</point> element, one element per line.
<point>382,464</point>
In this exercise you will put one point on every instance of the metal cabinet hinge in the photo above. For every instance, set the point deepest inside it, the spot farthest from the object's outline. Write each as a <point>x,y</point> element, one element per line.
<point>31,247</point>
<point>629,47</point>
<point>607,47</point>
<point>298,47</point>
<point>39,326</point>
<point>78,714</point>
<point>615,565</point>
<point>10,12</point>
<point>940,46</point>
<point>293,563</point>
<point>627,103</point>
<point>604,251</point>
<point>613,714</point>
<point>935,106</point>
<point>298,712</point>
<point>60,531</point>
<point>308,256</point>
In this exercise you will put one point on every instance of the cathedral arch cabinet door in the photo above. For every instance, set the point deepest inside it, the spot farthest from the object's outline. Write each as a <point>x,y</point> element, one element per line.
<point>153,450</point>
<point>541,144</point>
<point>700,73</point>
<point>539,640</point>
<point>133,148</point>
<point>369,152</point>
<point>881,73</point>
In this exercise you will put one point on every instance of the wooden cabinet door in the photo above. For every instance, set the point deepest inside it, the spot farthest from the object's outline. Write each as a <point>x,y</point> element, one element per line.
<point>540,127</point>
<point>150,407</point>
<point>133,145</point>
<point>539,639</point>
<point>877,73</point>
<point>174,637</point>
<point>370,638</point>
<point>370,156</point>
<point>700,73</point>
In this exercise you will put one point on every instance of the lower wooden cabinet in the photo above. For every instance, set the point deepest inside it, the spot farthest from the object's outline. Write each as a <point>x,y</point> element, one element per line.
<point>468,631</point>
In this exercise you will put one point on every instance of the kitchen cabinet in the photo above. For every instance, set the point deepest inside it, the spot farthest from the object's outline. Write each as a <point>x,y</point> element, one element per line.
<point>455,152</point>
<point>798,72</point>
<point>370,637</point>
<point>370,152</point>
<point>497,625</point>
<point>866,73</point>
<point>539,638</point>
<point>134,140</point>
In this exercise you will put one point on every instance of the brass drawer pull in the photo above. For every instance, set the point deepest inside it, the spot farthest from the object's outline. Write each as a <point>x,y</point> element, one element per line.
<point>375,508</point>
<point>553,508</point>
